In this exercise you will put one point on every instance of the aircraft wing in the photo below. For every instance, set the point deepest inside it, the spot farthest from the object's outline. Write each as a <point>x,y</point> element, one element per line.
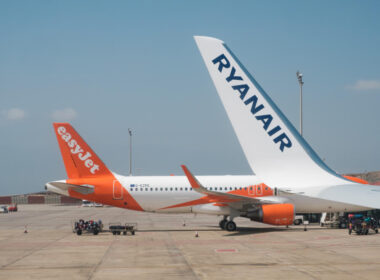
<point>198,187</point>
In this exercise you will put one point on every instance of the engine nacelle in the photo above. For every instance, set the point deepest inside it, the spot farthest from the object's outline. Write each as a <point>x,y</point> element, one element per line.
<point>273,214</point>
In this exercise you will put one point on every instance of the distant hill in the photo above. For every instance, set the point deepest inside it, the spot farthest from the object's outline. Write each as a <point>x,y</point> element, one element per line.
<point>372,177</point>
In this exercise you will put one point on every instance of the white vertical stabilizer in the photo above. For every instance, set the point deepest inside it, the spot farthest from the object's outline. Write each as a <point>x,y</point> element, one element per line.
<point>274,149</point>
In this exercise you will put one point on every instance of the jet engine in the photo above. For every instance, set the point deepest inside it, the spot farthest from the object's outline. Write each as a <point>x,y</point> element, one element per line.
<point>273,214</point>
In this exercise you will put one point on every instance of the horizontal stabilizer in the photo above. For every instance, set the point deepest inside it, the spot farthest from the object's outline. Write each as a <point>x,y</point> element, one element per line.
<point>64,187</point>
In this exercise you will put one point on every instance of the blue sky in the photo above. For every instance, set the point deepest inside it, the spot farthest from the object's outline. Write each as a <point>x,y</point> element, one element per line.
<point>106,66</point>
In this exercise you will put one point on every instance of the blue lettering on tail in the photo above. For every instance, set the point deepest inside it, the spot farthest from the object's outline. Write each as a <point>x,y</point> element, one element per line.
<point>242,89</point>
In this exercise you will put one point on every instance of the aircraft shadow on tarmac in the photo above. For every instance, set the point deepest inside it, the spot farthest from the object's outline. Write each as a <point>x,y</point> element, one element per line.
<point>239,230</point>
<point>253,230</point>
<point>178,230</point>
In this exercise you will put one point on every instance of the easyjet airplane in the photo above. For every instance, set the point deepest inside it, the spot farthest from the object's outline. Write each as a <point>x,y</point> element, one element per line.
<point>281,157</point>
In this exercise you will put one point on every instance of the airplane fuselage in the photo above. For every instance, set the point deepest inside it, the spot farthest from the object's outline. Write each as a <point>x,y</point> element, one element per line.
<point>173,194</point>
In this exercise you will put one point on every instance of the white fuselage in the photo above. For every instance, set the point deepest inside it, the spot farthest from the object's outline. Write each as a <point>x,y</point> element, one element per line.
<point>169,193</point>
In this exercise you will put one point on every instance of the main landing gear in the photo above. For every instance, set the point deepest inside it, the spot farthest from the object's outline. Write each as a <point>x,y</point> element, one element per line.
<point>222,223</point>
<point>228,225</point>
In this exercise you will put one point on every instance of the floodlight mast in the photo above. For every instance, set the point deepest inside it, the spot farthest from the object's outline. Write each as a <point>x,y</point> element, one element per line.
<point>130,151</point>
<point>299,76</point>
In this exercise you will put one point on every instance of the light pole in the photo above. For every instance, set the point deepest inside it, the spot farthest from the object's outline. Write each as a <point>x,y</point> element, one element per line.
<point>130,151</point>
<point>299,76</point>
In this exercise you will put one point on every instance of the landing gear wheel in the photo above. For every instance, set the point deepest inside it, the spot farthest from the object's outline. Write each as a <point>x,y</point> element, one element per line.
<point>230,226</point>
<point>222,224</point>
<point>297,222</point>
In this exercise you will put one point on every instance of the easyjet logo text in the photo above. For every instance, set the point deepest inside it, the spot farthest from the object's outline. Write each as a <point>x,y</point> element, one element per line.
<point>76,149</point>
<point>257,110</point>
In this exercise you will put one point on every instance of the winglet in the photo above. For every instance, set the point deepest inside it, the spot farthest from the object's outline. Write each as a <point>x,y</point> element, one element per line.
<point>226,197</point>
<point>193,181</point>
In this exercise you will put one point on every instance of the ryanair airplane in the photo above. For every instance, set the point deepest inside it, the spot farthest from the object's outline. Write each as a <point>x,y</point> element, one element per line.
<point>289,177</point>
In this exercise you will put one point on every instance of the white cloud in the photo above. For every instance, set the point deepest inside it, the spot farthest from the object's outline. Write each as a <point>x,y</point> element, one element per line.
<point>14,114</point>
<point>365,85</point>
<point>66,114</point>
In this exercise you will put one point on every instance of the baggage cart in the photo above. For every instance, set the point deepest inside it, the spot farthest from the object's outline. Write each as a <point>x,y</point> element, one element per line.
<point>118,228</point>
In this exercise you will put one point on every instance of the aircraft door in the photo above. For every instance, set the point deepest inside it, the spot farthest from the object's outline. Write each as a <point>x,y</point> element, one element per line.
<point>117,190</point>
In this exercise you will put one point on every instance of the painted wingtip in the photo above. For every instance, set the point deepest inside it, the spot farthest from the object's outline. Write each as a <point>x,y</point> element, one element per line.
<point>192,180</point>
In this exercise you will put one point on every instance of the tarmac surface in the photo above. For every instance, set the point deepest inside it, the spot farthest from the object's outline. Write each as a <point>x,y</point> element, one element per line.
<point>163,248</point>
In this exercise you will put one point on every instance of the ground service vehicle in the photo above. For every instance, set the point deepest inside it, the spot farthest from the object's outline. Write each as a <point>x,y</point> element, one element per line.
<point>3,209</point>
<point>12,208</point>
<point>90,226</point>
<point>357,224</point>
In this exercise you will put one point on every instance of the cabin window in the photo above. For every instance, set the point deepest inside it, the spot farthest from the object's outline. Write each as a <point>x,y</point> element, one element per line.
<point>185,189</point>
<point>166,189</point>
<point>240,188</point>
<point>180,189</point>
<point>176,189</point>
<point>245,188</point>
<point>250,188</point>
<point>230,188</point>
<point>266,188</point>
<point>151,189</point>
<point>171,189</point>
<point>235,188</point>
